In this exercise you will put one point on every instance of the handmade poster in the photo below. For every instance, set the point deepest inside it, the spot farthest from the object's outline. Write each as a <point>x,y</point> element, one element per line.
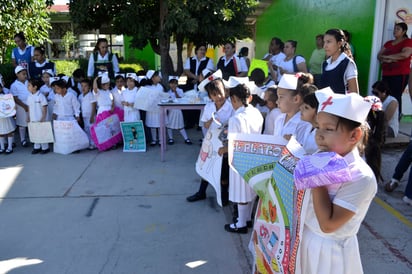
<point>106,132</point>
<point>134,139</point>
<point>257,63</point>
<point>41,132</point>
<point>267,163</point>
<point>209,163</point>
<point>7,106</point>
<point>69,137</point>
<point>145,99</point>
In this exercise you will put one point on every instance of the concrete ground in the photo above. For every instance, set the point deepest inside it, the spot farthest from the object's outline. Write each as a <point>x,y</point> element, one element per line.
<point>115,212</point>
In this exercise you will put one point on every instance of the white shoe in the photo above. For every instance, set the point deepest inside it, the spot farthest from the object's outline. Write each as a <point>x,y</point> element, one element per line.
<point>407,200</point>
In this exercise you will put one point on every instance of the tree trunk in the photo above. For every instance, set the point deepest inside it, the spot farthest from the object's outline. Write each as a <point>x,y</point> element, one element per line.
<point>179,45</point>
<point>164,44</point>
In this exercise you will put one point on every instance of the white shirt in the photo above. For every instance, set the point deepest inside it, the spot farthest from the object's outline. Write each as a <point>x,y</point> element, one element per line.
<point>270,121</point>
<point>287,66</point>
<point>240,62</point>
<point>209,64</point>
<point>66,106</point>
<point>22,51</point>
<point>90,67</point>
<point>222,115</point>
<point>104,99</point>
<point>36,102</point>
<point>117,97</point>
<point>179,92</point>
<point>295,126</point>
<point>393,123</point>
<point>46,90</point>
<point>19,90</point>
<point>86,101</point>
<point>276,59</point>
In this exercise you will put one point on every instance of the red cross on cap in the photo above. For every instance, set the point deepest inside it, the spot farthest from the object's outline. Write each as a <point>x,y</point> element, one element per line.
<point>326,103</point>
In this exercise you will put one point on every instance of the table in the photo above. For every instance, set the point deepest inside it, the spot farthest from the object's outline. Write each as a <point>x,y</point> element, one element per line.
<point>163,112</point>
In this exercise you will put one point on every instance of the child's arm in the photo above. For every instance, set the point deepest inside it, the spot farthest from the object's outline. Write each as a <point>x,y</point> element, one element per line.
<point>222,150</point>
<point>95,88</point>
<point>20,103</point>
<point>330,216</point>
<point>93,115</point>
<point>43,113</point>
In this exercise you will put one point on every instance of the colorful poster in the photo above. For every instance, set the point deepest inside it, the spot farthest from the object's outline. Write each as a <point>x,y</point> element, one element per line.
<point>41,132</point>
<point>134,139</point>
<point>7,106</point>
<point>209,163</point>
<point>106,131</point>
<point>69,137</point>
<point>267,163</point>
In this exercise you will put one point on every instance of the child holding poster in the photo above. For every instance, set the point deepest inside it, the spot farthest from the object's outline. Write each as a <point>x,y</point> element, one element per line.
<point>118,90</point>
<point>308,112</point>
<point>88,108</point>
<point>128,97</point>
<point>66,107</point>
<point>37,103</point>
<point>336,211</point>
<point>104,97</point>
<point>7,127</point>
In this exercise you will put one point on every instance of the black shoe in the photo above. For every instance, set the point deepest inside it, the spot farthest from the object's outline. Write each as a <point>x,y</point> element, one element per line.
<point>241,230</point>
<point>9,151</point>
<point>35,151</point>
<point>196,197</point>
<point>24,143</point>
<point>45,151</point>
<point>188,142</point>
<point>152,144</point>
<point>2,151</point>
<point>171,141</point>
<point>249,224</point>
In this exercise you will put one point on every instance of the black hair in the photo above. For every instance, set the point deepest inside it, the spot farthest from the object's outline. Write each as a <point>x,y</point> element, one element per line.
<point>340,37</point>
<point>242,92</point>
<point>306,89</point>
<point>404,27</point>
<point>272,94</point>
<point>20,35</point>
<point>304,78</point>
<point>278,42</point>
<point>79,73</point>
<point>258,76</point>
<point>86,81</point>
<point>119,76</point>
<point>310,99</point>
<point>40,49</point>
<point>382,87</point>
<point>293,42</point>
<point>199,46</point>
<point>36,83</point>
<point>375,140</point>
<point>256,100</point>
<point>319,36</point>
<point>59,83</point>
<point>213,87</point>
<point>244,52</point>
<point>99,41</point>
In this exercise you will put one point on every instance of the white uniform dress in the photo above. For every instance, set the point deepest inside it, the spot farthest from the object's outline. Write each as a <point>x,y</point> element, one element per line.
<point>130,113</point>
<point>270,121</point>
<point>393,123</point>
<point>104,99</point>
<point>66,107</point>
<point>309,143</point>
<point>7,124</point>
<point>86,104</point>
<point>338,252</point>
<point>175,116</point>
<point>246,120</point>
<point>153,116</point>
<point>49,93</point>
<point>221,116</point>
<point>287,66</point>
<point>19,90</point>
<point>36,102</point>
<point>117,97</point>
<point>295,126</point>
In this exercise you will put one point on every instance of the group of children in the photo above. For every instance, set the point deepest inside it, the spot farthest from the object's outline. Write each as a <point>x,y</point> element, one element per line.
<point>61,98</point>
<point>320,121</point>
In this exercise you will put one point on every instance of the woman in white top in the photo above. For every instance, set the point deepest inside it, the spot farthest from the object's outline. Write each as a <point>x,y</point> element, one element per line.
<point>101,60</point>
<point>247,119</point>
<point>389,106</point>
<point>292,63</point>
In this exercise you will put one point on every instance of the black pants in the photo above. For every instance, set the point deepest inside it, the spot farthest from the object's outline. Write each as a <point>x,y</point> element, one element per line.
<point>397,84</point>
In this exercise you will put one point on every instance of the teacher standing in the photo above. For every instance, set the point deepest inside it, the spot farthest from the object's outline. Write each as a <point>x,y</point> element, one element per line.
<point>395,57</point>
<point>101,60</point>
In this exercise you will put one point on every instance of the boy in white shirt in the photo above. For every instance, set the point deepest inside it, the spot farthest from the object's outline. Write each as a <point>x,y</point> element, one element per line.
<point>67,107</point>
<point>88,108</point>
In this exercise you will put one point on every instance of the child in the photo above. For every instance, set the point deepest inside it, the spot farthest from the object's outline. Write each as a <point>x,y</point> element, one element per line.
<point>131,114</point>
<point>47,91</point>
<point>20,93</point>
<point>246,119</point>
<point>118,90</point>
<point>175,116</point>
<point>335,212</point>
<point>308,113</point>
<point>66,107</point>
<point>88,108</point>
<point>104,97</point>
<point>37,103</point>
<point>271,97</point>
<point>289,100</point>
<point>7,127</point>
<point>153,116</point>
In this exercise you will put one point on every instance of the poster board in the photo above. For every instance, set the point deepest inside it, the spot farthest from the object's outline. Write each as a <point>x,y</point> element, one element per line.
<point>134,139</point>
<point>41,132</point>
<point>69,137</point>
<point>7,106</point>
<point>106,132</point>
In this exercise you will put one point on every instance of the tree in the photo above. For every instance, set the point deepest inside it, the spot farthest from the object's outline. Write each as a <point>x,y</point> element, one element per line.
<point>67,41</point>
<point>29,16</point>
<point>156,22</point>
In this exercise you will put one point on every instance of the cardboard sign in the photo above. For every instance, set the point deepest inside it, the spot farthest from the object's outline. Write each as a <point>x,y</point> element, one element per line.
<point>7,106</point>
<point>134,139</point>
<point>41,132</point>
<point>69,137</point>
<point>106,131</point>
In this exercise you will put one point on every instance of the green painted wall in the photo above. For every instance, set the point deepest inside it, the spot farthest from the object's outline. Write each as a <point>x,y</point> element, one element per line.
<point>147,55</point>
<point>302,20</point>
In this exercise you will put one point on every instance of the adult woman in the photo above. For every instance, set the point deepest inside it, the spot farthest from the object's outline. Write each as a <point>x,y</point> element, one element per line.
<point>40,63</point>
<point>230,64</point>
<point>102,60</point>
<point>339,72</point>
<point>395,59</point>
<point>195,65</point>
<point>292,63</point>
<point>389,106</point>
<point>21,55</point>
<point>243,53</point>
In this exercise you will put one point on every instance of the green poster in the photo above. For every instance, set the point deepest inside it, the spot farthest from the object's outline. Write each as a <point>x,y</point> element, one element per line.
<point>134,139</point>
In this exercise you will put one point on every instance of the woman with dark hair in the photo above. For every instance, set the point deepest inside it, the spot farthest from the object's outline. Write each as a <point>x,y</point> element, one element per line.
<point>395,57</point>
<point>243,53</point>
<point>195,65</point>
<point>101,60</point>
<point>292,63</point>
<point>230,64</point>
<point>40,64</point>
<point>339,71</point>
<point>22,55</point>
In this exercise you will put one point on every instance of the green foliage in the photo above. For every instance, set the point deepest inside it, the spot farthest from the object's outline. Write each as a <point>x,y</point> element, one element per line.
<point>29,16</point>
<point>7,71</point>
<point>68,40</point>
<point>130,67</point>
<point>66,67</point>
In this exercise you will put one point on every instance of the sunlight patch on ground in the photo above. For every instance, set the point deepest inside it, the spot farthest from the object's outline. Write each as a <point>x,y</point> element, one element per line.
<point>7,265</point>
<point>195,264</point>
<point>8,176</point>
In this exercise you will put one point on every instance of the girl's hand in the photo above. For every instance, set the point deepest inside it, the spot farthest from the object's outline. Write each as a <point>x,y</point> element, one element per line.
<point>25,107</point>
<point>222,150</point>
<point>287,136</point>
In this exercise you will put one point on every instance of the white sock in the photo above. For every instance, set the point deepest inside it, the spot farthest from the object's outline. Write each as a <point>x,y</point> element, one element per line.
<point>153,131</point>
<point>170,133</point>
<point>10,142</point>
<point>242,215</point>
<point>22,132</point>
<point>184,134</point>
<point>2,142</point>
